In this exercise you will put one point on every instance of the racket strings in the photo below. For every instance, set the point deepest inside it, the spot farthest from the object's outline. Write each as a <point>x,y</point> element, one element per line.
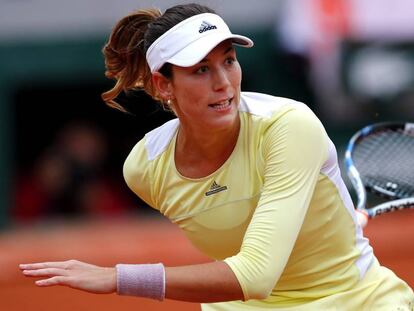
<point>386,160</point>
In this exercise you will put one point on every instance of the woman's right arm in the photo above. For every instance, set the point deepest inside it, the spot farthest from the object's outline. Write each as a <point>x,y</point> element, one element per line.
<point>209,282</point>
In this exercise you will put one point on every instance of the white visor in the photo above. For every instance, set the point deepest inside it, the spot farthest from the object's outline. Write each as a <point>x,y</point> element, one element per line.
<point>188,42</point>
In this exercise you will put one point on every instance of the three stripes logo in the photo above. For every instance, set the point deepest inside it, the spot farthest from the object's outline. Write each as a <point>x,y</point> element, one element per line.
<point>205,26</point>
<point>215,187</point>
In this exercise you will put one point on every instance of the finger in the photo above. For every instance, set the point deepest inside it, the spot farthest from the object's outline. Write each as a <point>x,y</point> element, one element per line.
<point>45,272</point>
<point>43,265</point>
<point>56,280</point>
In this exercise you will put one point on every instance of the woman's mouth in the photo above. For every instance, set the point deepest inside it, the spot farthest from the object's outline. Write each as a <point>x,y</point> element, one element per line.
<point>222,105</point>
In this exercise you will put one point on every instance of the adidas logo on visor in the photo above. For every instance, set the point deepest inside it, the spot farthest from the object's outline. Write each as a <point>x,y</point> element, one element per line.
<point>205,26</point>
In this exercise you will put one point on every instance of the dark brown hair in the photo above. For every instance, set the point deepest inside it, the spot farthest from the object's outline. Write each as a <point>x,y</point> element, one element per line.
<point>128,43</point>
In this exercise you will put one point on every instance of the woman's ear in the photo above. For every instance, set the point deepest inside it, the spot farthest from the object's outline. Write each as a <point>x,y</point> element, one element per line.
<point>163,85</point>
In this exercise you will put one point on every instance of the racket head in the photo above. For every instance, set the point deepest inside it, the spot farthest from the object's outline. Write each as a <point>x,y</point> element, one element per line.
<point>379,158</point>
<point>390,206</point>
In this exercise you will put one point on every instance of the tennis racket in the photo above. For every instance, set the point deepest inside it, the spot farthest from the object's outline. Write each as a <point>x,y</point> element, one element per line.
<point>380,159</point>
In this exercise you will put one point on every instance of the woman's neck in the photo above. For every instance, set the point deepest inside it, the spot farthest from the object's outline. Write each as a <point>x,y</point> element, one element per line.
<point>200,153</point>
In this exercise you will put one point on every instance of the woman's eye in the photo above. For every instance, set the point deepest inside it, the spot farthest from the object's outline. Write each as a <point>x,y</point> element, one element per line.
<point>202,69</point>
<point>230,60</point>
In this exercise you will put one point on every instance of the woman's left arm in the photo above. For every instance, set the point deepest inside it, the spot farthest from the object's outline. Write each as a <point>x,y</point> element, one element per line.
<point>295,147</point>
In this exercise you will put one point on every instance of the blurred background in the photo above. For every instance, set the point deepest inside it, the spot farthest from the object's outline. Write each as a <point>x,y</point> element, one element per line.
<point>62,193</point>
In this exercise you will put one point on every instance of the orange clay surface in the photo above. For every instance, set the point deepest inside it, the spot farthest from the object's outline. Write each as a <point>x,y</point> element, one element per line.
<point>143,240</point>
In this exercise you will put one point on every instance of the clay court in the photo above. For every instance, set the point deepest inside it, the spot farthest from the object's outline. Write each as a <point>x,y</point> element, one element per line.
<point>144,240</point>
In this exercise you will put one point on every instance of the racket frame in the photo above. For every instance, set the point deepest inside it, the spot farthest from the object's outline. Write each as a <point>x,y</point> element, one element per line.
<point>356,179</point>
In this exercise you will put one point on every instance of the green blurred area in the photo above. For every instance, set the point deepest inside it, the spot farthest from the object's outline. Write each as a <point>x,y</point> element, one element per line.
<point>33,63</point>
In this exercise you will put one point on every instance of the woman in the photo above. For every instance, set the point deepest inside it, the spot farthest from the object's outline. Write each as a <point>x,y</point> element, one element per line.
<point>251,179</point>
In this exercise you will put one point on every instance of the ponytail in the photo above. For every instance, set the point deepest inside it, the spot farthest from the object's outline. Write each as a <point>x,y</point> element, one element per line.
<point>125,56</point>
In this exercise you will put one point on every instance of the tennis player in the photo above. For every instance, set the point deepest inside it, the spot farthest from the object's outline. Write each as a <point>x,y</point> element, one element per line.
<point>251,179</point>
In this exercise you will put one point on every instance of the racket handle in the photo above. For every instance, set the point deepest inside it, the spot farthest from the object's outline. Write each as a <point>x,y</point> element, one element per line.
<point>362,218</point>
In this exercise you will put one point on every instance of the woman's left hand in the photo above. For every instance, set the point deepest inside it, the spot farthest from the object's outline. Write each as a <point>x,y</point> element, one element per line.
<point>73,273</point>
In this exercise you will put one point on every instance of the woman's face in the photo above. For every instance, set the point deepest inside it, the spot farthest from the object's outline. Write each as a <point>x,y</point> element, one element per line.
<point>207,95</point>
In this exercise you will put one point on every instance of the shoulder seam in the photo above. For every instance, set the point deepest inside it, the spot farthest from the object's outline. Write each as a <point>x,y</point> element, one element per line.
<point>157,141</point>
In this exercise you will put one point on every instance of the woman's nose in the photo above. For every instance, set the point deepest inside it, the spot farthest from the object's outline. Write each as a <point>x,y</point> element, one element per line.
<point>221,79</point>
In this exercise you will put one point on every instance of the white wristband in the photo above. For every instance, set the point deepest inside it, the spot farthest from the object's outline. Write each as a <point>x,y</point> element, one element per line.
<point>146,280</point>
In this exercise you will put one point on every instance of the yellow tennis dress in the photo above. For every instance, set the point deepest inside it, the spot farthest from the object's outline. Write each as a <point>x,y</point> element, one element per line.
<point>277,212</point>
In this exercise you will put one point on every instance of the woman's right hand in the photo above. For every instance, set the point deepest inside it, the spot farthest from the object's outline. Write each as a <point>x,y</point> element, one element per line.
<point>74,274</point>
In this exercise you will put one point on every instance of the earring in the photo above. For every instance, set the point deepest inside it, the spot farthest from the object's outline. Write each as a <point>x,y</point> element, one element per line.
<point>169,102</point>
